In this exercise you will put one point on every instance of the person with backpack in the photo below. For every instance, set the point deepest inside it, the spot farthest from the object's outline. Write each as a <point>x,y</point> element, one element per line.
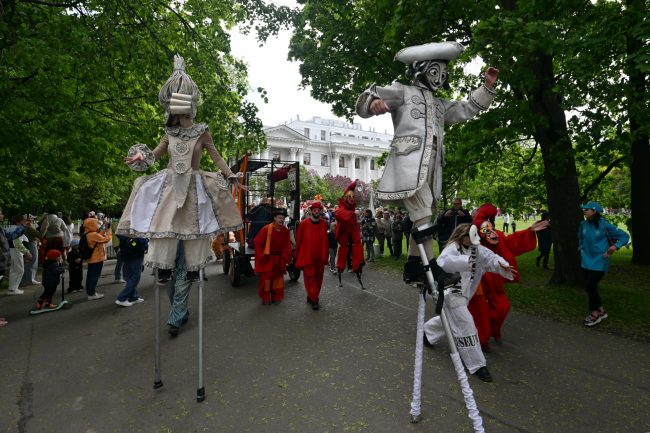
<point>133,251</point>
<point>96,240</point>
<point>75,268</point>
<point>52,271</point>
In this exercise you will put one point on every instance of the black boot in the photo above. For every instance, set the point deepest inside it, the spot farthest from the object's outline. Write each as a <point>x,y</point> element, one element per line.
<point>192,276</point>
<point>164,275</point>
<point>443,278</point>
<point>413,270</point>
<point>484,374</point>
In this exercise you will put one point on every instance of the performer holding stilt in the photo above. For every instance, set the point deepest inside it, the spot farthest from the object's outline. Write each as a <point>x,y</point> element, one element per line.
<point>180,202</point>
<point>465,255</point>
<point>348,231</point>
<point>412,177</point>
<point>490,305</point>
<point>312,252</point>
<point>272,254</point>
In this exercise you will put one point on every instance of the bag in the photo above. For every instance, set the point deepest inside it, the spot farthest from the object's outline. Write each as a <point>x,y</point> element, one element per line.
<point>85,252</point>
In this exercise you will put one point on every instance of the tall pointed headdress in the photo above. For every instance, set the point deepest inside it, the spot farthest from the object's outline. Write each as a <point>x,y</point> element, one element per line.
<point>179,95</point>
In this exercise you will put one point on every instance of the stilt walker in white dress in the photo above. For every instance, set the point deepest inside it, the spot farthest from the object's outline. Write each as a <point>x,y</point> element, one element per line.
<point>180,202</point>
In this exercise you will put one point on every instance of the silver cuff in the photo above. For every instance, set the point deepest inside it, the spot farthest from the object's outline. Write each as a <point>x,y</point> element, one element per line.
<point>149,157</point>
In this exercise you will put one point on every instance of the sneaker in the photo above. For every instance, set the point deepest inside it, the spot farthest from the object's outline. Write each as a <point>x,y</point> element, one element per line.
<point>97,295</point>
<point>36,282</point>
<point>119,281</point>
<point>123,303</point>
<point>136,300</point>
<point>173,331</point>
<point>15,292</point>
<point>484,374</point>
<point>192,276</point>
<point>592,320</point>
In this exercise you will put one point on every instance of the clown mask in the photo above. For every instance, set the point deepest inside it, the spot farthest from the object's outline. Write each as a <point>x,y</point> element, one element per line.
<point>487,232</point>
<point>349,197</point>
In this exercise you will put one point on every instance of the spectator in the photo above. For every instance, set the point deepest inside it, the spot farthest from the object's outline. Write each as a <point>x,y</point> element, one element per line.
<point>597,240</point>
<point>33,241</point>
<point>398,232</point>
<point>97,238</point>
<point>119,261</point>
<point>333,246</point>
<point>132,251</point>
<point>5,254</point>
<point>52,271</point>
<point>449,219</point>
<point>75,268</point>
<point>384,232</point>
<point>506,222</point>
<point>407,225</point>
<point>544,242</point>
<point>368,227</point>
<point>513,225</point>
<point>54,229</point>
<point>67,234</point>
<point>19,253</point>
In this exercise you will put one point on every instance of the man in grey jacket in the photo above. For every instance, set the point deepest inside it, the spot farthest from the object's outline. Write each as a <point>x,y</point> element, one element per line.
<point>412,177</point>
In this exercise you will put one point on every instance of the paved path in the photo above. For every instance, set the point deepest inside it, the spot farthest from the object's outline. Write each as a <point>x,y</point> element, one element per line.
<point>286,368</point>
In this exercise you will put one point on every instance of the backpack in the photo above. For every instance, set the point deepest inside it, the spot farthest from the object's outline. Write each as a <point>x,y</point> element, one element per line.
<point>85,251</point>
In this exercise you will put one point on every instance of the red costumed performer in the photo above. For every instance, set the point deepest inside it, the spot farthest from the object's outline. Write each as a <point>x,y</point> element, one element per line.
<point>348,230</point>
<point>312,252</point>
<point>272,253</point>
<point>490,305</point>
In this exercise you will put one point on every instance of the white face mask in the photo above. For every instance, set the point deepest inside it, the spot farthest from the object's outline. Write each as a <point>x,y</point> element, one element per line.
<point>436,75</point>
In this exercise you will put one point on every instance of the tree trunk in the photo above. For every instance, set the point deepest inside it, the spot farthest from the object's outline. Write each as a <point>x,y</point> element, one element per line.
<point>560,173</point>
<point>637,98</point>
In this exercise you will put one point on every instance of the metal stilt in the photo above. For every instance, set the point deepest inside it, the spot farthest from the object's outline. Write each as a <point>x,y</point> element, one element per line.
<point>156,317</point>
<point>200,392</point>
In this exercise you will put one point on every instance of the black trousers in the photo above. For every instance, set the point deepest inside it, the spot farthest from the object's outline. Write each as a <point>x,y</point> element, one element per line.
<point>592,278</point>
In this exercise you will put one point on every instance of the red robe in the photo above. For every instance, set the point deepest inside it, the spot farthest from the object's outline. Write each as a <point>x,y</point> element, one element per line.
<point>271,257</point>
<point>312,254</point>
<point>348,229</point>
<point>490,305</point>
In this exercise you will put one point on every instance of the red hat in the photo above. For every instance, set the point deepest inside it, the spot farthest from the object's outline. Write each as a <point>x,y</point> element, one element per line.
<point>53,255</point>
<point>484,213</point>
<point>316,205</point>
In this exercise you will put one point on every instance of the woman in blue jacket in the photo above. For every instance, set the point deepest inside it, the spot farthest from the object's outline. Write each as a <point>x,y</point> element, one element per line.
<point>597,241</point>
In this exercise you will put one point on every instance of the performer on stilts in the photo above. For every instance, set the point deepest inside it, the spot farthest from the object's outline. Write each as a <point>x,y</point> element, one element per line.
<point>312,252</point>
<point>272,255</point>
<point>348,232</point>
<point>490,305</point>
<point>412,177</point>
<point>180,202</point>
<point>465,255</point>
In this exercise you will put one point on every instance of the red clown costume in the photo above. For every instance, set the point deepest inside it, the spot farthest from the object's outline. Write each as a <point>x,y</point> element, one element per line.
<point>272,253</point>
<point>312,252</point>
<point>348,231</point>
<point>490,305</point>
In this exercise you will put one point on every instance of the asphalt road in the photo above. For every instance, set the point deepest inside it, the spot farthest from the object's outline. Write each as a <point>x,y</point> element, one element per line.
<point>286,368</point>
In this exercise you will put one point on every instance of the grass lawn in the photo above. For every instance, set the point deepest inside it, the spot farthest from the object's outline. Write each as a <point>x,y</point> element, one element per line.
<point>625,292</point>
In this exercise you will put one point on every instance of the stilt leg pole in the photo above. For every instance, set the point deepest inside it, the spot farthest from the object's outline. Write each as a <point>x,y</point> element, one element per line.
<point>156,318</point>
<point>200,392</point>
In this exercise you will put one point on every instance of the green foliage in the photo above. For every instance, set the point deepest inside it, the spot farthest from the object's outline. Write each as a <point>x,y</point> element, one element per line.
<point>79,86</point>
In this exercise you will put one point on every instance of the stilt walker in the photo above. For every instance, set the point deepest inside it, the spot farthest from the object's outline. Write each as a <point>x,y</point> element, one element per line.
<point>348,234</point>
<point>412,177</point>
<point>181,202</point>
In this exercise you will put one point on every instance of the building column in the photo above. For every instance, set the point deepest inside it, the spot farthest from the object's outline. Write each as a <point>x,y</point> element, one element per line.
<point>265,153</point>
<point>351,169</point>
<point>292,154</point>
<point>334,164</point>
<point>366,169</point>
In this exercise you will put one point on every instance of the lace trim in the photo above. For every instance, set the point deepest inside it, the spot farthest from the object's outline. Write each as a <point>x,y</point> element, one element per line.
<point>201,265</point>
<point>172,235</point>
<point>149,157</point>
<point>193,131</point>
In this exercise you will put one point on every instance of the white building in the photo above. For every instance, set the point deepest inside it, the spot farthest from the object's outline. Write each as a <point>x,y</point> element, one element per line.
<point>328,146</point>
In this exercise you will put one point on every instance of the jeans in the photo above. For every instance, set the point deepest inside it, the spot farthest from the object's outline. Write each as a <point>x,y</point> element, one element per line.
<point>178,290</point>
<point>370,250</point>
<point>92,277</point>
<point>333,257</point>
<point>119,265</point>
<point>132,269</point>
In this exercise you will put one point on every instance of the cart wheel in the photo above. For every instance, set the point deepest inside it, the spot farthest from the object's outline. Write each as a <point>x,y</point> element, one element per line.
<point>234,273</point>
<point>294,273</point>
<point>226,261</point>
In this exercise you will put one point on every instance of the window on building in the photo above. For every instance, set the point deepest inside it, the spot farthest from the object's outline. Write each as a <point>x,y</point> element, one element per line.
<point>357,163</point>
<point>275,155</point>
<point>341,162</point>
<point>322,135</point>
<point>323,161</point>
<point>307,132</point>
<point>372,163</point>
<point>307,158</point>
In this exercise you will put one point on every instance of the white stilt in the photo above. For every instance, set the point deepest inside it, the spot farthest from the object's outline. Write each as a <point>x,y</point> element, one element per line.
<point>200,392</point>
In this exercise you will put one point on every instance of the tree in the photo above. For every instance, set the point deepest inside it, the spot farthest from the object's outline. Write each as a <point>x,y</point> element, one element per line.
<point>547,55</point>
<point>79,83</point>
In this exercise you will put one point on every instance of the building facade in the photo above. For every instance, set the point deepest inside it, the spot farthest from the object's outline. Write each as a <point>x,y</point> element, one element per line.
<point>328,146</point>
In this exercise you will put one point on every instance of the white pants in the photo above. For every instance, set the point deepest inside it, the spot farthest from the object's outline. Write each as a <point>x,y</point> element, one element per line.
<point>162,253</point>
<point>464,333</point>
<point>17,268</point>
